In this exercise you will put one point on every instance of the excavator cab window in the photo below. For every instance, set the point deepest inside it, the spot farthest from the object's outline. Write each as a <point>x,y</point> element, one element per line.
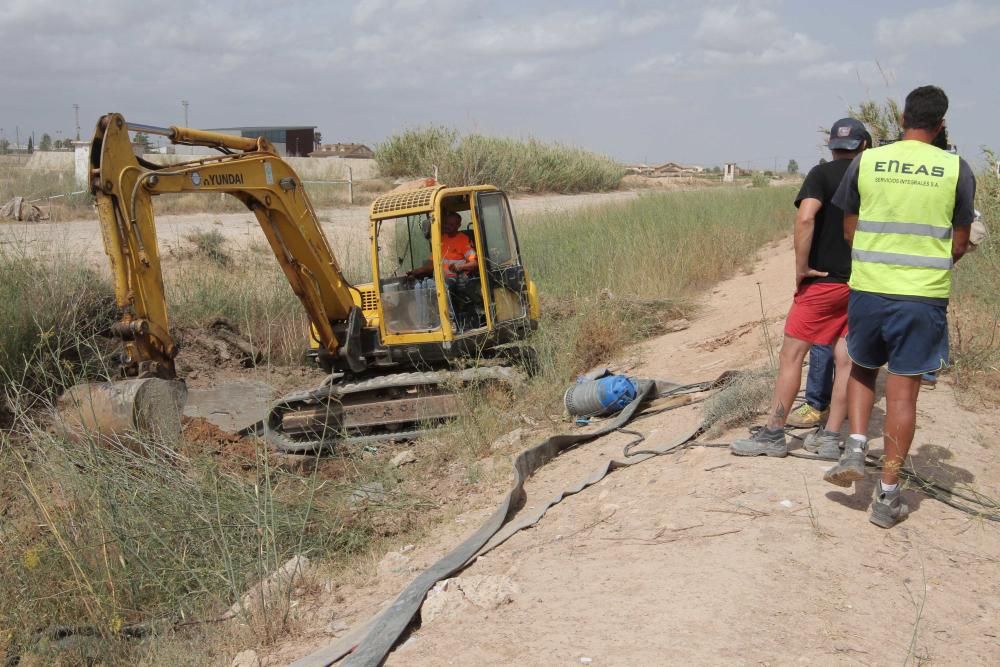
<point>504,272</point>
<point>408,305</point>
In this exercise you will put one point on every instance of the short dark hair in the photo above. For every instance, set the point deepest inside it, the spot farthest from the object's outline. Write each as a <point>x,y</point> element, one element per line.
<point>925,108</point>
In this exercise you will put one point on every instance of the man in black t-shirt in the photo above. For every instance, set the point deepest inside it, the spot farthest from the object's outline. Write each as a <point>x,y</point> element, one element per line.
<point>819,312</point>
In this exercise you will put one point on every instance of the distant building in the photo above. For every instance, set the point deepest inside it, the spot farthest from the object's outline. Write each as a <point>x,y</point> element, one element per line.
<point>351,151</point>
<point>288,140</point>
<point>665,170</point>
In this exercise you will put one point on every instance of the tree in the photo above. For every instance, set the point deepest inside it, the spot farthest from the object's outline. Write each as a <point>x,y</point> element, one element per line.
<point>4,146</point>
<point>822,160</point>
<point>141,139</point>
<point>793,167</point>
<point>31,145</point>
<point>317,139</point>
<point>46,143</point>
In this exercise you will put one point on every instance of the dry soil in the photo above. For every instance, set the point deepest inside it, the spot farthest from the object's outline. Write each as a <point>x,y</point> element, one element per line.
<point>706,558</point>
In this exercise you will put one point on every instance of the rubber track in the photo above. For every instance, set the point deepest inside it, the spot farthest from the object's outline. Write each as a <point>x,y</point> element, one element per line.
<point>336,392</point>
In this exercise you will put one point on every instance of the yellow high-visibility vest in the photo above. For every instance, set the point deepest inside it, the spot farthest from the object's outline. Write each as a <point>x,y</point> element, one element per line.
<point>903,240</point>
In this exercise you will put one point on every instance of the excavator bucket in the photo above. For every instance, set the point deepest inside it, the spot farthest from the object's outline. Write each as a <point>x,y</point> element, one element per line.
<point>125,412</point>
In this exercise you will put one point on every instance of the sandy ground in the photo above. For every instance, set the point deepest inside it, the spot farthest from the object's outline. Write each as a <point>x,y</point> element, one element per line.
<point>346,228</point>
<point>705,558</point>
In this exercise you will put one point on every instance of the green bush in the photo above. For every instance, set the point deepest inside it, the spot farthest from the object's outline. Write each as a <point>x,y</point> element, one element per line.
<point>512,165</point>
<point>52,309</point>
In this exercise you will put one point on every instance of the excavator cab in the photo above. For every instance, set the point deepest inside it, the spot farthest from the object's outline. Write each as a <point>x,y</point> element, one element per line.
<point>423,303</point>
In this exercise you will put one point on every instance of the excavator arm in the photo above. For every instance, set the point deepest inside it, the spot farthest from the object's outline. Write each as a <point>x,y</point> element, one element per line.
<point>250,170</point>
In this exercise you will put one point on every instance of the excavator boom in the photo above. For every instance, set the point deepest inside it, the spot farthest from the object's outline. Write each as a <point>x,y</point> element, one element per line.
<point>123,186</point>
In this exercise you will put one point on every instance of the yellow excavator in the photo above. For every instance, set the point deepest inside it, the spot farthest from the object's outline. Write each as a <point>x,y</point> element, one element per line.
<point>396,349</point>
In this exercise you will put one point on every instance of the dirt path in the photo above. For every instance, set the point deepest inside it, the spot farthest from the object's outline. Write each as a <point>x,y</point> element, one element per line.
<point>346,228</point>
<point>705,558</point>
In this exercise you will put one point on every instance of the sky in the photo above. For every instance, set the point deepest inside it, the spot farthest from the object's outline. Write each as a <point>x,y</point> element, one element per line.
<point>700,82</point>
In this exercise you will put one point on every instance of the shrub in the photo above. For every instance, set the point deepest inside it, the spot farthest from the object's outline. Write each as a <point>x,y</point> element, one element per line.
<point>512,165</point>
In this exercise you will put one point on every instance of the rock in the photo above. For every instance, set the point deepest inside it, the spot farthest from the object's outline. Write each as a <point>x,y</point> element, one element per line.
<point>676,325</point>
<point>404,457</point>
<point>246,658</point>
<point>273,586</point>
<point>584,660</point>
<point>453,596</point>
<point>392,563</point>
<point>369,491</point>
<point>506,441</point>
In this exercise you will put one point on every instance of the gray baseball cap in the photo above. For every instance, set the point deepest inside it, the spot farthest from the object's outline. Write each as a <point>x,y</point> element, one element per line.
<point>847,135</point>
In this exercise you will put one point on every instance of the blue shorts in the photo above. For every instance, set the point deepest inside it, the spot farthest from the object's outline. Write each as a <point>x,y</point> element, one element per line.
<point>905,334</point>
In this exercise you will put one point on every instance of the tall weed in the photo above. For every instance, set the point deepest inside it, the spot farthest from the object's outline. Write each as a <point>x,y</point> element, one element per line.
<point>974,312</point>
<point>510,164</point>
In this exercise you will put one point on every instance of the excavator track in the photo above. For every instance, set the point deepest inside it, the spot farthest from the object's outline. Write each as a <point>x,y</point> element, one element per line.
<point>391,407</point>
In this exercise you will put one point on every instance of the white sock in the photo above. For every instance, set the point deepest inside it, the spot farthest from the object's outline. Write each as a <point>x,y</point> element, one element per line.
<point>859,442</point>
<point>888,488</point>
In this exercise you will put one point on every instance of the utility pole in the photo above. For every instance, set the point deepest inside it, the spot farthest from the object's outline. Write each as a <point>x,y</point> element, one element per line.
<point>185,103</point>
<point>76,113</point>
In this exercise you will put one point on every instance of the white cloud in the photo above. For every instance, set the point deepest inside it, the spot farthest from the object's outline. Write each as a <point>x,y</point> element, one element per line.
<point>832,71</point>
<point>366,10</point>
<point>950,25</point>
<point>744,34</point>
<point>660,63</point>
<point>552,33</point>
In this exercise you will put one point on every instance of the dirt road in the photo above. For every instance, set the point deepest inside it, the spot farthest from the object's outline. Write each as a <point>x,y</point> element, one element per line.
<point>705,558</point>
<point>346,228</point>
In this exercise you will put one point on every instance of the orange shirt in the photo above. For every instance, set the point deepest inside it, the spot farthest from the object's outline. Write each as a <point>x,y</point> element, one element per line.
<point>456,249</point>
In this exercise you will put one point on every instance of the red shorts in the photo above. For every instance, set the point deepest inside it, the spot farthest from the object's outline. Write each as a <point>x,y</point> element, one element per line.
<point>819,313</point>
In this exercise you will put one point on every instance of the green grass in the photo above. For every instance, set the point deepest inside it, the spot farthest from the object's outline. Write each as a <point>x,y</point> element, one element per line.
<point>974,311</point>
<point>659,246</point>
<point>510,164</point>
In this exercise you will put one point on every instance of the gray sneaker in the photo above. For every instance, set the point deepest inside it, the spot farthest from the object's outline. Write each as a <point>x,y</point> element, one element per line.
<point>888,508</point>
<point>765,441</point>
<point>824,444</point>
<point>851,466</point>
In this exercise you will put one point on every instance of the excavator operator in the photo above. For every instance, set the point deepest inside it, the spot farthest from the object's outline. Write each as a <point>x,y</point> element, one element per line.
<point>460,266</point>
<point>457,253</point>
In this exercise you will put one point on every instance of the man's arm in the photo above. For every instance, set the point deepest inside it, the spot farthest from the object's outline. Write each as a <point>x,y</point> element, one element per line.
<point>848,198</point>
<point>805,225</point>
<point>965,211</point>
<point>850,226</point>
<point>959,241</point>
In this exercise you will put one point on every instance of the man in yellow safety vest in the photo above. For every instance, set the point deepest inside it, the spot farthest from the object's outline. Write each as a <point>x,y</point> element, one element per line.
<point>908,207</point>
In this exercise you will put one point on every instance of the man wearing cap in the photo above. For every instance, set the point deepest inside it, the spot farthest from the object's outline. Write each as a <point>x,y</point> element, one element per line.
<point>908,208</point>
<point>818,315</point>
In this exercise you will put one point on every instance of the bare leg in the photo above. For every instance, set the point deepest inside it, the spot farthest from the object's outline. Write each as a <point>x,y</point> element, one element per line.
<point>838,400</point>
<point>901,393</point>
<point>860,397</point>
<point>786,386</point>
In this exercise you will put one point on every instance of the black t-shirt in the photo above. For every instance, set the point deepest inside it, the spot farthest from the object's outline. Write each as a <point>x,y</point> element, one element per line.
<point>829,251</point>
